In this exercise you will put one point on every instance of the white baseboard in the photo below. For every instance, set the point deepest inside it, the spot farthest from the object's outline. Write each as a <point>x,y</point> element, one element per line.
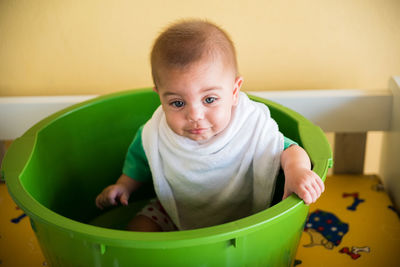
<point>18,114</point>
<point>332,110</point>
<point>339,110</point>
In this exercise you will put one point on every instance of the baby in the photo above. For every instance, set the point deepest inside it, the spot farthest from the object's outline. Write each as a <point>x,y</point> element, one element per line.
<point>213,154</point>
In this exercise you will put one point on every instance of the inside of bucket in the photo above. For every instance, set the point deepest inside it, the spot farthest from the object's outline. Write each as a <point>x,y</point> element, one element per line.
<point>77,155</point>
<point>119,217</point>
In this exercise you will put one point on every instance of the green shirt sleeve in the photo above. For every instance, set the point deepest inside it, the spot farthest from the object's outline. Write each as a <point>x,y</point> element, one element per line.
<point>288,142</point>
<point>136,165</point>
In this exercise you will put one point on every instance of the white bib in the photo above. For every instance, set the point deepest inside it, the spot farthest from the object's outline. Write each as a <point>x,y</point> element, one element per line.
<point>229,177</point>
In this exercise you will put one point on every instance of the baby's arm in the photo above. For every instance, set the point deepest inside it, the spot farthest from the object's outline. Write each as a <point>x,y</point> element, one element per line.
<point>299,178</point>
<point>121,191</point>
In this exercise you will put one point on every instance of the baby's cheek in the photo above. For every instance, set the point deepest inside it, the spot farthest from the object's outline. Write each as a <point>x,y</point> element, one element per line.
<point>221,119</point>
<point>175,124</point>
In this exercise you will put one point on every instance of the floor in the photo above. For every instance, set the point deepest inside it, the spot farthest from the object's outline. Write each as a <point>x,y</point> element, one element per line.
<point>352,224</point>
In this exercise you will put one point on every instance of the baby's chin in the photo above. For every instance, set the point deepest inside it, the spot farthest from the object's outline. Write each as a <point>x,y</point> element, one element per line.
<point>200,139</point>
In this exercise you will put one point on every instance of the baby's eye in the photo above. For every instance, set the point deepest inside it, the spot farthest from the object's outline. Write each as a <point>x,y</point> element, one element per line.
<point>177,104</point>
<point>210,100</point>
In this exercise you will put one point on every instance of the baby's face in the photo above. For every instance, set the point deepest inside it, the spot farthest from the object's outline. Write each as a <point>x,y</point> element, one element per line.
<point>198,101</point>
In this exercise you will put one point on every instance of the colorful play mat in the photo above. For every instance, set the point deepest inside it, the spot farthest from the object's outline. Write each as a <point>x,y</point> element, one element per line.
<point>353,224</point>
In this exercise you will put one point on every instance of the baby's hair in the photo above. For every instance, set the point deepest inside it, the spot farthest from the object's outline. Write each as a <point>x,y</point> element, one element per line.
<point>189,41</point>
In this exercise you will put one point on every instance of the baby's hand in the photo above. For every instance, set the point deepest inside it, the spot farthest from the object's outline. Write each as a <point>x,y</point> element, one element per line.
<point>305,183</point>
<point>111,195</point>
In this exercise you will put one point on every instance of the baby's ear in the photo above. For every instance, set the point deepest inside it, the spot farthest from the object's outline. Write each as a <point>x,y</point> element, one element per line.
<point>236,90</point>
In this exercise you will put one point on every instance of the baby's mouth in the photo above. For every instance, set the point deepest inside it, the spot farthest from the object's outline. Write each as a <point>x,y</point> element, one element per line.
<point>197,130</point>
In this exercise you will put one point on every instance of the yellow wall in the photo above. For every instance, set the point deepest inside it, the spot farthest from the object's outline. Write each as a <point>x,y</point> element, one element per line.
<point>96,47</point>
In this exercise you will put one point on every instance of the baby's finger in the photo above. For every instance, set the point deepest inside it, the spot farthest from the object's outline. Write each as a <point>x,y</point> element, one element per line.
<point>313,193</point>
<point>105,201</point>
<point>111,198</point>
<point>124,199</point>
<point>98,202</point>
<point>305,195</point>
<point>317,190</point>
<point>321,184</point>
<point>99,206</point>
<point>286,194</point>
<point>111,201</point>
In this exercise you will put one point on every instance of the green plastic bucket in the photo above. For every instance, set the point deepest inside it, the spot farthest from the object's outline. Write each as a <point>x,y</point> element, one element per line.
<point>56,169</point>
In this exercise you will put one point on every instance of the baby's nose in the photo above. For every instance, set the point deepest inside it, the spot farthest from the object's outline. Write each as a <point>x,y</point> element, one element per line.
<point>195,114</point>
